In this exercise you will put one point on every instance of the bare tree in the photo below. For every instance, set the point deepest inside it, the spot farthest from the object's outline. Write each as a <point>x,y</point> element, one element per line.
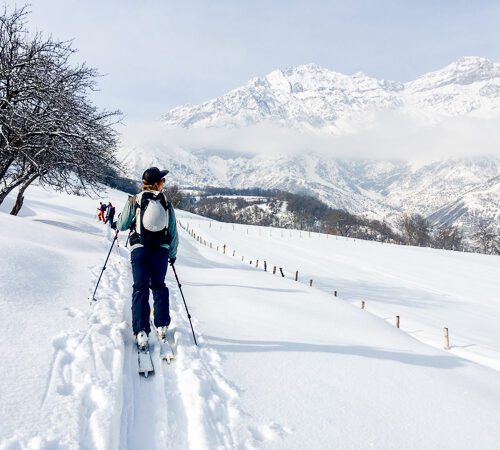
<point>415,229</point>
<point>487,239</point>
<point>174,195</point>
<point>448,237</point>
<point>49,130</point>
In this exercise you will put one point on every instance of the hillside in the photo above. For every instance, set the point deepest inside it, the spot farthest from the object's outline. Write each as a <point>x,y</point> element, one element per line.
<point>280,364</point>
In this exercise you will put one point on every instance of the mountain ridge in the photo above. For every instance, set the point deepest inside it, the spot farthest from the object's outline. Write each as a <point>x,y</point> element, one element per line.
<point>315,100</point>
<point>312,97</point>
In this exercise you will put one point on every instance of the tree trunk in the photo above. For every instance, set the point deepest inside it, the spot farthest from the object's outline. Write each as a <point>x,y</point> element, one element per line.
<point>4,193</point>
<point>19,181</point>
<point>20,195</point>
<point>4,166</point>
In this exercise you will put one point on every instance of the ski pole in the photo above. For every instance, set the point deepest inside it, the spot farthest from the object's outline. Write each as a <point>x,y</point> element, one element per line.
<point>184,300</point>
<point>128,237</point>
<point>104,267</point>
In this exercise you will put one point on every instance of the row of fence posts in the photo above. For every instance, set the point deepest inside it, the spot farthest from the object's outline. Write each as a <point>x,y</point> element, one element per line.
<point>363,302</point>
<point>398,325</point>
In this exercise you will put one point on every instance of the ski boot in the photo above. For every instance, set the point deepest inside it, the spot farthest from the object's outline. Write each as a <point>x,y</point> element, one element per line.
<point>142,340</point>
<point>162,333</point>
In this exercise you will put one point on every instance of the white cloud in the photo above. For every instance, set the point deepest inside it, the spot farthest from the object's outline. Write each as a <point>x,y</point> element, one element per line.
<point>386,136</point>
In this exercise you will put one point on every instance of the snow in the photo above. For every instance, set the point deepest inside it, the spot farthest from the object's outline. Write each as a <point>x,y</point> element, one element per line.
<point>280,364</point>
<point>460,102</point>
<point>309,97</point>
<point>430,289</point>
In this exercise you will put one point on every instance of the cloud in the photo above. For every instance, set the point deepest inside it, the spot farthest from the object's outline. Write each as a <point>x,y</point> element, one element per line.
<point>382,136</point>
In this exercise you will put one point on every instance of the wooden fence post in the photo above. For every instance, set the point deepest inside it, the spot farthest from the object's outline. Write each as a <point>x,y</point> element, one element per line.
<point>224,249</point>
<point>296,275</point>
<point>335,293</point>
<point>282,274</point>
<point>257,264</point>
<point>274,270</point>
<point>446,339</point>
<point>362,304</point>
<point>265,266</point>
<point>310,283</point>
<point>234,251</point>
<point>397,321</point>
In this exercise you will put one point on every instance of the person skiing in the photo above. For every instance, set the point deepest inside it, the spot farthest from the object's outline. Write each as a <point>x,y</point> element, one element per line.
<point>102,208</point>
<point>153,243</point>
<point>110,214</point>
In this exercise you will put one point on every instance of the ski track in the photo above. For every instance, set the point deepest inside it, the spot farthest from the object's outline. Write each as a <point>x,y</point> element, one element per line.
<point>186,404</point>
<point>95,399</point>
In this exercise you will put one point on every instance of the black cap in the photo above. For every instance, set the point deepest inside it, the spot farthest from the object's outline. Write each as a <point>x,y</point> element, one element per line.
<point>153,175</point>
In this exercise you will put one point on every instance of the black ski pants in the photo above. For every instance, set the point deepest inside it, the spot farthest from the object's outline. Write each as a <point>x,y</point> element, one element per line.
<point>149,268</point>
<point>110,218</point>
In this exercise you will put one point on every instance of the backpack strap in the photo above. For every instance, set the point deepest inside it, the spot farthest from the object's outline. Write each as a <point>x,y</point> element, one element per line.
<point>163,201</point>
<point>134,203</point>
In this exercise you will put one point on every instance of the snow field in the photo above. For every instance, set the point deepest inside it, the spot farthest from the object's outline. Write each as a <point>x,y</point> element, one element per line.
<point>65,377</point>
<point>77,364</point>
<point>429,289</point>
<point>280,365</point>
<point>314,372</point>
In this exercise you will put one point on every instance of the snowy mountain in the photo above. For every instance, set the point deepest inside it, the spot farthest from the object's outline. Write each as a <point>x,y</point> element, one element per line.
<point>310,96</point>
<point>475,205</point>
<point>313,101</point>
<point>377,189</point>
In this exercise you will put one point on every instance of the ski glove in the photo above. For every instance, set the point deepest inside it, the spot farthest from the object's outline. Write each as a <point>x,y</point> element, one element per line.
<point>172,260</point>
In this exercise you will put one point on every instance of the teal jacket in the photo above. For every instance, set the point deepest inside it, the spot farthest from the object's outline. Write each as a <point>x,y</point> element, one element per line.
<point>128,214</point>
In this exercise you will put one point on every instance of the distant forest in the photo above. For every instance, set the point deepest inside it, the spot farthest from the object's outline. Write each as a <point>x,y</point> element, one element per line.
<point>275,208</point>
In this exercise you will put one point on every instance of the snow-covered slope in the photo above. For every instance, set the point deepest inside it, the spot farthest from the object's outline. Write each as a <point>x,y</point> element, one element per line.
<point>470,85</point>
<point>280,364</point>
<point>480,202</point>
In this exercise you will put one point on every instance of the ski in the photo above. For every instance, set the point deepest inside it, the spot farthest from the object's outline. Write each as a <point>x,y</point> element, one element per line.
<point>145,362</point>
<point>166,348</point>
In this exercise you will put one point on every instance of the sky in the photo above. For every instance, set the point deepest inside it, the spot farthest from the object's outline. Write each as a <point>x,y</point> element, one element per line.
<point>156,54</point>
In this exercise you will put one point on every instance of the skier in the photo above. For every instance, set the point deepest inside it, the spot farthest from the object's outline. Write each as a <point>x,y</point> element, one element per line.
<point>102,208</point>
<point>110,214</point>
<point>153,243</point>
